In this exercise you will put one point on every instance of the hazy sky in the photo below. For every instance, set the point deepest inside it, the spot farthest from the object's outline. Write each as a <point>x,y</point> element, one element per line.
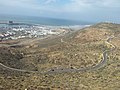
<point>87,10</point>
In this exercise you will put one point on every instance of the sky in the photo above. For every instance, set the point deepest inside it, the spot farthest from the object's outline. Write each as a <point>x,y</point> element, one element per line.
<point>85,10</point>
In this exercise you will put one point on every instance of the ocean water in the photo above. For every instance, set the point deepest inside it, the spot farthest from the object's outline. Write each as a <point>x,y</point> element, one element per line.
<point>41,20</point>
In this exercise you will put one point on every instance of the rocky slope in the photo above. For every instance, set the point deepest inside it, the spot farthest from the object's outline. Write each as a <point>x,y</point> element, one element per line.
<point>78,49</point>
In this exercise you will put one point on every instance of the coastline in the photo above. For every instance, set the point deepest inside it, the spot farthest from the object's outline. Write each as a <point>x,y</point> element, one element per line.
<point>16,30</point>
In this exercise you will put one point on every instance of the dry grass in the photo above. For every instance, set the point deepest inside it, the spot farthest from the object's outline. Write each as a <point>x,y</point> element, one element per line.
<point>80,49</point>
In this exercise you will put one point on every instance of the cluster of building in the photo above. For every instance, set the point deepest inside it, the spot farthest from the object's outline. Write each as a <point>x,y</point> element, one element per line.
<point>34,31</point>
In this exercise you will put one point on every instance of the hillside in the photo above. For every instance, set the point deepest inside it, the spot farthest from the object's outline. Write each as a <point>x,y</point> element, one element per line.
<point>82,49</point>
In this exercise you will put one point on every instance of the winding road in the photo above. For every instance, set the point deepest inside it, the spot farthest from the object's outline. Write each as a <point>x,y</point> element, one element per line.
<point>65,70</point>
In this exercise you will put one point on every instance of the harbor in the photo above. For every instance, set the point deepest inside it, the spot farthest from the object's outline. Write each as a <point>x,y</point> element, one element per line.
<point>14,23</point>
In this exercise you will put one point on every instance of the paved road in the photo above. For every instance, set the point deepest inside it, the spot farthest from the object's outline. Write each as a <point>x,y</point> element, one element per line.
<point>14,69</point>
<point>64,70</point>
<point>92,68</point>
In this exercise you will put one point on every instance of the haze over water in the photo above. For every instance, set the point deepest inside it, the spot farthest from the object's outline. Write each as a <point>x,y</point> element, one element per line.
<point>42,20</point>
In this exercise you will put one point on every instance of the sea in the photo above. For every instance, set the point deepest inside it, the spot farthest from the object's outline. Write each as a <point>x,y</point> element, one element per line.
<point>41,20</point>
